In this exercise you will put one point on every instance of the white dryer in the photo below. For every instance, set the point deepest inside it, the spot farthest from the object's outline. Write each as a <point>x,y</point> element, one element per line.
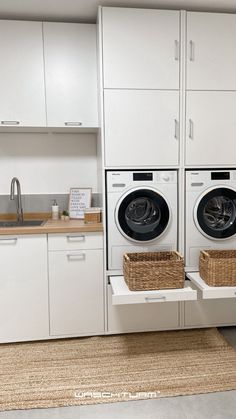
<point>210,213</point>
<point>141,213</point>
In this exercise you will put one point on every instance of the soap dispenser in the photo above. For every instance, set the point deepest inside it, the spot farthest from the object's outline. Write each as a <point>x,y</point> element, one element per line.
<point>55,210</point>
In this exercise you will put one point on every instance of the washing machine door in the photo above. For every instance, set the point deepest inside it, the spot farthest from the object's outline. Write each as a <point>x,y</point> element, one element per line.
<point>142,214</point>
<point>215,213</point>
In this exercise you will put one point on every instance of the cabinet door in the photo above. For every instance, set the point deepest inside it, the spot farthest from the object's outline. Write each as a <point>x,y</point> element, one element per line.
<point>23,288</point>
<point>22,99</point>
<point>140,48</point>
<point>141,317</point>
<point>211,52</point>
<point>70,74</point>
<point>76,292</point>
<point>210,128</point>
<point>141,127</point>
<point>220,312</point>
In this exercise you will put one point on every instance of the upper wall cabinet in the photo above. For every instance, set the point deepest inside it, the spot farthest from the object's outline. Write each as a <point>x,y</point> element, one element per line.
<point>70,74</point>
<point>140,48</point>
<point>22,99</point>
<point>211,51</point>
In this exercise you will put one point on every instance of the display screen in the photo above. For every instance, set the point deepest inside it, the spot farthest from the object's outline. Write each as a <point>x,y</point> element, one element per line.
<point>143,176</point>
<point>220,175</point>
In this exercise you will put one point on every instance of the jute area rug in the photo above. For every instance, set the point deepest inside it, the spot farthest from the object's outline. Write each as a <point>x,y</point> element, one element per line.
<point>115,368</point>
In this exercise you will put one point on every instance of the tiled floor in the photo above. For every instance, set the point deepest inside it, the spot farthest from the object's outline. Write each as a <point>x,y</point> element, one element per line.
<point>204,406</point>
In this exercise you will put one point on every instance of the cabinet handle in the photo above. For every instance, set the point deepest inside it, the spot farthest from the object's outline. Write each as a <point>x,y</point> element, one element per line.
<point>12,240</point>
<point>176,50</point>
<point>191,50</point>
<point>10,122</point>
<point>150,299</point>
<point>80,238</point>
<point>76,256</point>
<point>176,129</point>
<point>73,124</point>
<point>190,134</point>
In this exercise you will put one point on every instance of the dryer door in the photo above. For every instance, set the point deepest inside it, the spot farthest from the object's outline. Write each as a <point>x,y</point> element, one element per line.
<point>215,213</point>
<point>142,215</point>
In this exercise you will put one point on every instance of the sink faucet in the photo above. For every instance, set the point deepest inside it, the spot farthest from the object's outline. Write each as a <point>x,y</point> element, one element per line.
<point>19,208</point>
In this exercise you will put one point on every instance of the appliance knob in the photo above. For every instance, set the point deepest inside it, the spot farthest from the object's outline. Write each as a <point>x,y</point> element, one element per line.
<point>166,178</point>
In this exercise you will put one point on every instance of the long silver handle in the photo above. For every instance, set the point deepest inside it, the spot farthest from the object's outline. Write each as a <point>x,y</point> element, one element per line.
<point>12,240</point>
<point>79,238</point>
<point>153,299</point>
<point>76,256</point>
<point>176,50</point>
<point>190,134</point>
<point>10,122</point>
<point>176,135</point>
<point>191,50</point>
<point>73,124</point>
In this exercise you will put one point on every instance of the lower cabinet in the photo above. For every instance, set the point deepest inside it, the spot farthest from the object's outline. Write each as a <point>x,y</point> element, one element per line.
<point>203,313</point>
<point>23,288</point>
<point>141,317</point>
<point>76,286</point>
<point>215,306</point>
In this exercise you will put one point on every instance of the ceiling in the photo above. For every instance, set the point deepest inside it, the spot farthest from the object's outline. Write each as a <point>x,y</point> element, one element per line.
<point>86,10</point>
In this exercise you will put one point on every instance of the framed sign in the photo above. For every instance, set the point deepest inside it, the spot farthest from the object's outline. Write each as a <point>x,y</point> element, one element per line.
<point>80,198</point>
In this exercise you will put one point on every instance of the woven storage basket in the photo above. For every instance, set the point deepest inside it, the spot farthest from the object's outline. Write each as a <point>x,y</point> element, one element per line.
<point>153,270</point>
<point>218,267</point>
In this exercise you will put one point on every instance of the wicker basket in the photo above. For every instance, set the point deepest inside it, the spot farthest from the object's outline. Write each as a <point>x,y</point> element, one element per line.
<point>153,270</point>
<point>218,267</point>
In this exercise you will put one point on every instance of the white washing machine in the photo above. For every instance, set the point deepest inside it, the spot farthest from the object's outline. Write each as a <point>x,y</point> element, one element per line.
<point>210,213</point>
<point>141,213</point>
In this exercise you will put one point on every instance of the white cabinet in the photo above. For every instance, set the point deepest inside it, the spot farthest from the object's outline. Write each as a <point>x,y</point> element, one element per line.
<point>141,127</point>
<point>23,288</point>
<point>215,306</point>
<point>76,287</point>
<point>211,52</point>
<point>140,48</point>
<point>22,99</point>
<point>141,317</point>
<point>210,128</point>
<point>204,313</point>
<point>70,74</point>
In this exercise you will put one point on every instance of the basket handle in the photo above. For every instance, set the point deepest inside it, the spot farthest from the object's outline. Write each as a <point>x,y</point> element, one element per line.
<point>178,254</point>
<point>204,254</point>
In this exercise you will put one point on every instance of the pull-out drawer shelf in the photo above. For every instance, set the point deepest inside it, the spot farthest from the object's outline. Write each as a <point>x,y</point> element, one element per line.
<point>208,292</point>
<point>122,295</point>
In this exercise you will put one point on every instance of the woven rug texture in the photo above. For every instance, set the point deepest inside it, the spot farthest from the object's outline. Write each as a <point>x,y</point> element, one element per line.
<point>106,369</point>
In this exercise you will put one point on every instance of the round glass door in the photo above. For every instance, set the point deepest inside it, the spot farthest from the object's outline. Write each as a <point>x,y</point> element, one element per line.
<point>216,213</point>
<point>142,215</point>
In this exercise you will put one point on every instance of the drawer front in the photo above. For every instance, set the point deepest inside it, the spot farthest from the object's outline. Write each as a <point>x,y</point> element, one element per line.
<point>75,241</point>
<point>141,317</point>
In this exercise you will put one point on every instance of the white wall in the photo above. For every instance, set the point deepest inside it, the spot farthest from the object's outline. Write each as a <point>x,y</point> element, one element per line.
<point>48,163</point>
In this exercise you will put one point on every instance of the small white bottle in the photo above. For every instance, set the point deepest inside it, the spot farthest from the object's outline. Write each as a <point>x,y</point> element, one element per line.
<point>55,210</point>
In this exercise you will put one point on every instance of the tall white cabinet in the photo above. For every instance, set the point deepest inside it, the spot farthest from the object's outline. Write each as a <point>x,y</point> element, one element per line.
<point>211,85</point>
<point>22,98</point>
<point>140,68</point>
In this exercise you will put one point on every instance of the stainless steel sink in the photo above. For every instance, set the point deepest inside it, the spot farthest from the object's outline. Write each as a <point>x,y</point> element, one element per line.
<point>25,223</point>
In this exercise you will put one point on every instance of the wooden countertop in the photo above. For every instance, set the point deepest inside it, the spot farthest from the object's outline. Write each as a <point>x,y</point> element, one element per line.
<point>52,226</point>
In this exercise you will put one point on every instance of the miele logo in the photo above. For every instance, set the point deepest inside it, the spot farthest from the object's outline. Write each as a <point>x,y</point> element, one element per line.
<point>195,173</point>
<point>115,174</point>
